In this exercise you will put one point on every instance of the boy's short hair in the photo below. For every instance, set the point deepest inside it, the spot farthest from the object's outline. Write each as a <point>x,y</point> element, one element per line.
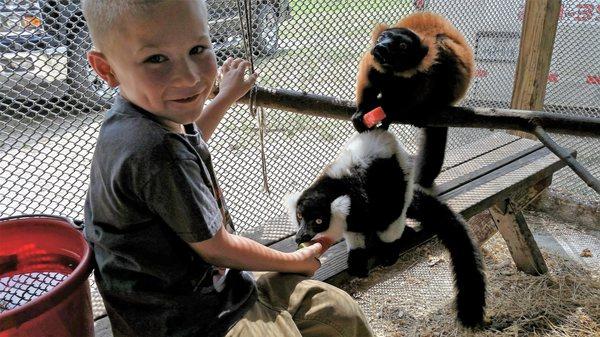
<point>102,16</point>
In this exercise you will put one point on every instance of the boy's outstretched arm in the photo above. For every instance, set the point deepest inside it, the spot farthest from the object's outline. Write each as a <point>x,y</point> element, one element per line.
<point>233,86</point>
<point>234,251</point>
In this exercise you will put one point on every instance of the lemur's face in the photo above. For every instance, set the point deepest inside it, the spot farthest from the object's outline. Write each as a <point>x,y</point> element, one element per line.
<point>398,49</point>
<point>313,215</point>
<point>318,214</point>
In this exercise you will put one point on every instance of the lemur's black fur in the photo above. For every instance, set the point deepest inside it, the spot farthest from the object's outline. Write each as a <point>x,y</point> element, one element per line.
<point>421,64</point>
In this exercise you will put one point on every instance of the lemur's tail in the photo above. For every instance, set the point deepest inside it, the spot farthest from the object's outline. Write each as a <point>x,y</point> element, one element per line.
<point>435,216</point>
<point>430,158</point>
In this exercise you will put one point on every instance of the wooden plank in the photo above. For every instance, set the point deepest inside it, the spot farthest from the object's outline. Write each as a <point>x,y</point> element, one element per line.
<point>480,161</point>
<point>521,245</point>
<point>478,148</point>
<point>511,166</point>
<point>535,53</point>
<point>480,195</point>
<point>474,169</point>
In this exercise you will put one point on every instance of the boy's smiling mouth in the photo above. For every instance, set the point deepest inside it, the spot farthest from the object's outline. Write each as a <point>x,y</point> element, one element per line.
<point>188,99</point>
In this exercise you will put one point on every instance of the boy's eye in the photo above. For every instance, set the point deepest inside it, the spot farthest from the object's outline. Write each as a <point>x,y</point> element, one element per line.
<point>156,59</point>
<point>197,50</point>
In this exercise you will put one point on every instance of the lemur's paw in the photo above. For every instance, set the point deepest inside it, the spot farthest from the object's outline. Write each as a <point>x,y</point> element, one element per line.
<point>358,272</point>
<point>388,253</point>
<point>358,122</point>
<point>388,260</point>
<point>358,263</point>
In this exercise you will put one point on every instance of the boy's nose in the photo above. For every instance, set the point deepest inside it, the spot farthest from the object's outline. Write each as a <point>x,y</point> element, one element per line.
<point>186,75</point>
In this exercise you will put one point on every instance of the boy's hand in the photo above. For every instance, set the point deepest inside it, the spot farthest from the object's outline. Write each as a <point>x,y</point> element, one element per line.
<point>309,258</point>
<point>233,82</point>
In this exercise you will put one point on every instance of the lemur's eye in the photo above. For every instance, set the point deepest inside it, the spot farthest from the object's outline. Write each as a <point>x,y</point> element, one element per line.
<point>402,46</point>
<point>319,221</point>
<point>299,216</point>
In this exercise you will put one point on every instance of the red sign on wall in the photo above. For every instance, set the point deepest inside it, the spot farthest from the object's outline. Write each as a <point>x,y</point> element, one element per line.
<point>481,73</point>
<point>593,79</point>
<point>553,78</point>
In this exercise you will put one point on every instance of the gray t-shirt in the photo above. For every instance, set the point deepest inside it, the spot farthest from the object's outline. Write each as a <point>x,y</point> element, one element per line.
<point>151,192</point>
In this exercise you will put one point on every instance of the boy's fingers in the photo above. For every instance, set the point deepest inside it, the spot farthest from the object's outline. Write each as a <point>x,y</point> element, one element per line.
<point>316,249</point>
<point>245,64</point>
<point>226,64</point>
<point>236,63</point>
<point>252,78</point>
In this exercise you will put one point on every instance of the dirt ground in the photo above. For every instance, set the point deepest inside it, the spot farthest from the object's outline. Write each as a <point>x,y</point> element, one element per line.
<point>414,297</point>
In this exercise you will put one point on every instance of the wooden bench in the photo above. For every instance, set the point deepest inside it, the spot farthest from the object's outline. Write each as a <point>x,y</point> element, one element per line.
<point>500,172</point>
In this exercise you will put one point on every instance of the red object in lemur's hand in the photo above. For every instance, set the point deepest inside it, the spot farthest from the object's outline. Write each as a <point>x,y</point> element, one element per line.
<point>371,118</point>
<point>325,242</point>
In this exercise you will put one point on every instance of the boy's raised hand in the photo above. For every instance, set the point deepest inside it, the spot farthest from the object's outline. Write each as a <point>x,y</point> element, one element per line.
<point>233,82</point>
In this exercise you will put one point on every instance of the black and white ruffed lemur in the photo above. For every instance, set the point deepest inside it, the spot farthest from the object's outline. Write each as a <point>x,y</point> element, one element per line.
<point>365,195</point>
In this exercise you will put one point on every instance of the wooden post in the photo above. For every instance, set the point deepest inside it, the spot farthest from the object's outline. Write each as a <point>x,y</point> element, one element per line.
<point>535,53</point>
<point>521,245</point>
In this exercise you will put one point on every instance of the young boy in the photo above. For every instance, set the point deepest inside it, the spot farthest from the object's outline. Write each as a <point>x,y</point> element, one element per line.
<point>162,237</point>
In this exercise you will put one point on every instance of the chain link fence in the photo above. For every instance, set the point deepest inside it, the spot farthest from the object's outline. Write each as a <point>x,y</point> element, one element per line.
<point>51,103</point>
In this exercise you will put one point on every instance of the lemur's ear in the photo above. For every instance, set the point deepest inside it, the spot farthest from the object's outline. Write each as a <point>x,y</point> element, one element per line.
<point>341,206</point>
<point>290,201</point>
<point>379,28</point>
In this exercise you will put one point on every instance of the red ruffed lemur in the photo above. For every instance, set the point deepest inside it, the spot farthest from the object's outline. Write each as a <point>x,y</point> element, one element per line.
<point>419,65</point>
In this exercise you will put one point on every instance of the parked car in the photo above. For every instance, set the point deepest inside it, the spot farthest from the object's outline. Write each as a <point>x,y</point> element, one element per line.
<point>493,29</point>
<point>43,45</point>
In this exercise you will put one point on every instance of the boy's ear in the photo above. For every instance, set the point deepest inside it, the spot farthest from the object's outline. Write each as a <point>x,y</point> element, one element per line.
<point>101,66</point>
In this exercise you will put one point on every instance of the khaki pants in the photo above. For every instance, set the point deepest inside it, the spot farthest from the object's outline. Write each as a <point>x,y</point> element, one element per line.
<point>292,305</point>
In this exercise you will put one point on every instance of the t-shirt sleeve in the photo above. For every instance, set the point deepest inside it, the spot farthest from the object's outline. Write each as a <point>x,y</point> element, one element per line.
<point>180,196</point>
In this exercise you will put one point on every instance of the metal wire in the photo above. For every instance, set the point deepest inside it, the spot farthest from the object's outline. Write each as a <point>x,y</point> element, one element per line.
<point>260,116</point>
<point>20,289</point>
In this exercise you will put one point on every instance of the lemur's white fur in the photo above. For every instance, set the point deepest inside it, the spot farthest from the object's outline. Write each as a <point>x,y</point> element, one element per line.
<point>291,200</point>
<point>354,240</point>
<point>340,208</point>
<point>395,230</point>
<point>363,148</point>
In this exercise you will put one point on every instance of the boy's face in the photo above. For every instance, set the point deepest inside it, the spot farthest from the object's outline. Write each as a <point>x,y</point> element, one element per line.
<point>163,61</point>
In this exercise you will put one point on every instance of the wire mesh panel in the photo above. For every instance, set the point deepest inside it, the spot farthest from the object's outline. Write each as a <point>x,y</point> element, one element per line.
<point>20,289</point>
<point>49,107</point>
<point>574,88</point>
<point>51,102</point>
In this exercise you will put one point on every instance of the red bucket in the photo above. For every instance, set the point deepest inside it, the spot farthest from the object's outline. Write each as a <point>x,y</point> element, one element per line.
<point>44,267</point>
